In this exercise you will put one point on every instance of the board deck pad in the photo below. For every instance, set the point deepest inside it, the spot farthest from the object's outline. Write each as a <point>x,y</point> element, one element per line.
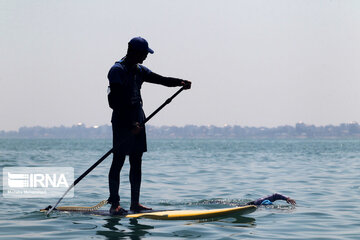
<point>178,214</point>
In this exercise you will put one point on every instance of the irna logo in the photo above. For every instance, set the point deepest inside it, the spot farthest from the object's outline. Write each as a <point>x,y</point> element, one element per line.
<point>25,180</point>
<point>37,182</point>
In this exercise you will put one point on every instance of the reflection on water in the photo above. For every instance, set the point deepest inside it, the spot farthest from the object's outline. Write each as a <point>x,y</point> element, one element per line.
<point>244,221</point>
<point>132,230</point>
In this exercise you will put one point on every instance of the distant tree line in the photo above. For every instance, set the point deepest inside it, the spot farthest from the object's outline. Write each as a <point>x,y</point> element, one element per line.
<point>300,130</point>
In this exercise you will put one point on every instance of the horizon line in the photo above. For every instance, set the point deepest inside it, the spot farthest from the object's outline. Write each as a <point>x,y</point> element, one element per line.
<point>81,124</point>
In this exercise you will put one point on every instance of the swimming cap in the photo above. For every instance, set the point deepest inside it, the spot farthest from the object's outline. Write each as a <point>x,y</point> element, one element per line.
<point>266,202</point>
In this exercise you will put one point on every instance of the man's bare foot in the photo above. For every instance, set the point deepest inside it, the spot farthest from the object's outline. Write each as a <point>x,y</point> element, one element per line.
<point>117,210</point>
<point>139,208</point>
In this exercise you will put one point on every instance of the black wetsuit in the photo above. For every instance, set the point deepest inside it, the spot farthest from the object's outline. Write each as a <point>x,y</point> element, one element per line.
<point>125,100</point>
<point>271,198</point>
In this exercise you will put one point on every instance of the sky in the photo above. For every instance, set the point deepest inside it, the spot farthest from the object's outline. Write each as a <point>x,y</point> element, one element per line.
<point>252,63</point>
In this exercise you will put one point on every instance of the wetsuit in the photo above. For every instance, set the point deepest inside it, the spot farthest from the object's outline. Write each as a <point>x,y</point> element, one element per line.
<point>125,99</point>
<point>271,198</point>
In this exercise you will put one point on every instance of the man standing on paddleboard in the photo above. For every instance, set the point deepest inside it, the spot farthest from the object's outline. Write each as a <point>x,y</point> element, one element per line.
<point>129,138</point>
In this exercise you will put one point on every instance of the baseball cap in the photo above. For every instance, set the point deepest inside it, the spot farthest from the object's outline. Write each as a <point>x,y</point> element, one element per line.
<point>141,44</point>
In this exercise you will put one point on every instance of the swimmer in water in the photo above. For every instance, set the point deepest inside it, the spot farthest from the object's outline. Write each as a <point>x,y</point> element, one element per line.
<point>268,200</point>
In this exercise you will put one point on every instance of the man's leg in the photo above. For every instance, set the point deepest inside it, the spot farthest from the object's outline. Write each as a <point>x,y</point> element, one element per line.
<point>114,178</point>
<point>135,181</point>
<point>135,177</point>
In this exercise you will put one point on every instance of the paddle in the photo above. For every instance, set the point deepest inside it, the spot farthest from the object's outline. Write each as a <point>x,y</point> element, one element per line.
<point>111,150</point>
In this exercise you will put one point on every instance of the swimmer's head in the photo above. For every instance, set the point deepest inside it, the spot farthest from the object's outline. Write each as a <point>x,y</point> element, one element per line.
<point>266,202</point>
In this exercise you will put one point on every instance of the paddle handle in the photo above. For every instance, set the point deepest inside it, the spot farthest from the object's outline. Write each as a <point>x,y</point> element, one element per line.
<point>164,104</point>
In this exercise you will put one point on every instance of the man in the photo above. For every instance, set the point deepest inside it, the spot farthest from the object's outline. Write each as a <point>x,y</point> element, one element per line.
<point>272,198</point>
<point>126,77</point>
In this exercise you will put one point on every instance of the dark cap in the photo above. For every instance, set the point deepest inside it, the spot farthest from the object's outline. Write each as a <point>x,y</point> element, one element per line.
<point>139,43</point>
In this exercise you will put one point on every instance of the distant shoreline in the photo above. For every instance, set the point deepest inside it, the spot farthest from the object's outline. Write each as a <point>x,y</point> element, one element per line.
<point>299,131</point>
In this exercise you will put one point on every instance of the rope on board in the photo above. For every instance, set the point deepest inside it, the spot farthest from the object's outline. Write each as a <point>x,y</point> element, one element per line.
<point>83,209</point>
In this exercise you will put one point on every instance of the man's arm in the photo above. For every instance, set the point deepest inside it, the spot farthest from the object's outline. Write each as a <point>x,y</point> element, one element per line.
<point>119,98</point>
<point>166,81</point>
<point>272,198</point>
<point>119,95</point>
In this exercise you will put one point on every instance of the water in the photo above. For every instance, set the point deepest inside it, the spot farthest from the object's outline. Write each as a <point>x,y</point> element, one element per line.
<point>321,175</point>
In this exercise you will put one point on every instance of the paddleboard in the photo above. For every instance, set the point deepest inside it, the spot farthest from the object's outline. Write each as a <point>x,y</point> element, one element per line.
<point>195,214</point>
<point>176,214</point>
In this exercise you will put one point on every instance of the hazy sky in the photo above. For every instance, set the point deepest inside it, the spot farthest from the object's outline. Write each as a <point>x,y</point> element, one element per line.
<point>252,63</point>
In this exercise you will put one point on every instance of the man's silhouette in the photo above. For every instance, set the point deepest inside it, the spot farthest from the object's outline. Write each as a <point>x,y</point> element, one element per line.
<point>126,77</point>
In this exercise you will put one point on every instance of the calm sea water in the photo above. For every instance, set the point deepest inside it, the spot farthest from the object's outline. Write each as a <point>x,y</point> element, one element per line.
<point>323,176</point>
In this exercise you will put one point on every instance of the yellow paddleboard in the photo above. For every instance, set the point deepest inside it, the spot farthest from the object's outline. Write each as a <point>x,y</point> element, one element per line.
<point>195,214</point>
<point>163,214</point>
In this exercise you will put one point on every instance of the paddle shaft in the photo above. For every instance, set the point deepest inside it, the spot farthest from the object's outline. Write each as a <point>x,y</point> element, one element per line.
<point>111,150</point>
